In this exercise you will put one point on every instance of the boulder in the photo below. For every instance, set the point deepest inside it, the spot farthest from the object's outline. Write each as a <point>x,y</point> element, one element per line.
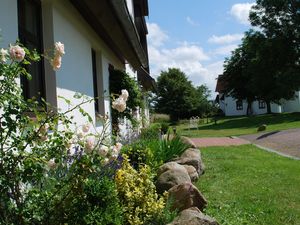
<point>193,216</point>
<point>186,195</point>
<point>188,141</point>
<point>262,127</point>
<point>171,178</point>
<point>191,153</point>
<point>195,162</point>
<point>192,172</point>
<point>169,166</point>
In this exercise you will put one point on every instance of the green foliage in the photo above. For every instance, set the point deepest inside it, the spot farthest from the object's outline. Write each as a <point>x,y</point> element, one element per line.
<point>41,180</point>
<point>167,149</point>
<point>140,202</point>
<point>266,65</point>
<point>177,96</point>
<point>138,153</point>
<point>164,127</point>
<point>151,133</point>
<point>261,187</point>
<point>119,80</point>
<point>160,118</point>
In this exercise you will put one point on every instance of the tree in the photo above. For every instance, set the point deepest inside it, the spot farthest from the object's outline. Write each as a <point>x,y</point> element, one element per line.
<point>259,69</point>
<point>177,96</point>
<point>238,73</point>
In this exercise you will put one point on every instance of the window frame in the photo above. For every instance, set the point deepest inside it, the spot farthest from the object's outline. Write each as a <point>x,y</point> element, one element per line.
<point>27,38</point>
<point>261,104</point>
<point>239,105</point>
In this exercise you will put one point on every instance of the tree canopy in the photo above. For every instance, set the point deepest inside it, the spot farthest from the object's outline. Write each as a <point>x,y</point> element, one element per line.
<point>266,65</point>
<point>177,96</point>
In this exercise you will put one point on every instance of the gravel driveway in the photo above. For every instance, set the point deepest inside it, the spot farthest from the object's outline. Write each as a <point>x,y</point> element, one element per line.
<point>286,142</point>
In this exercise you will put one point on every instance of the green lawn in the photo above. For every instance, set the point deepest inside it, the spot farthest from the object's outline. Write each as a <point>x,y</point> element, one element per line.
<point>246,185</point>
<point>235,126</point>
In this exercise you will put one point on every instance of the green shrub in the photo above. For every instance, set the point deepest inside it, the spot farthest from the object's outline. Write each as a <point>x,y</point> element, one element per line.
<point>137,192</point>
<point>167,149</point>
<point>103,205</point>
<point>151,132</point>
<point>164,127</point>
<point>138,153</point>
<point>160,118</point>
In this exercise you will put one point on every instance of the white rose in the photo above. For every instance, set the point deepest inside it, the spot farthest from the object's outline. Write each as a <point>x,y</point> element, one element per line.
<point>3,54</point>
<point>85,128</point>
<point>16,53</point>
<point>51,164</point>
<point>103,150</point>
<point>89,144</point>
<point>125,94</point>
<point>59,48</point>
<point>119,104</point>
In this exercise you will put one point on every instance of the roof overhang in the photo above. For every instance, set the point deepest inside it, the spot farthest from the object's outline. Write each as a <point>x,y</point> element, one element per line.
<point>112,22</point>
<point>146,80</point>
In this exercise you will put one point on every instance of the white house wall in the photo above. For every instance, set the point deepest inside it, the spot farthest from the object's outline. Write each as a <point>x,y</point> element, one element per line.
<point>8,22</point>
<point>230,107</point>
<point>76,73</point>
<point>292,105</point>
<point>256,110</point>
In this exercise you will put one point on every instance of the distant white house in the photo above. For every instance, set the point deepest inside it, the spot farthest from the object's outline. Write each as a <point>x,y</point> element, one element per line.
<point>97,35</point>
<point>234,107</point>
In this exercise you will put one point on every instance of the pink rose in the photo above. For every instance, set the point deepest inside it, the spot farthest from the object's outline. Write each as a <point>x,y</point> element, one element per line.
<point>89,144</point>
<point>119,104</point>
<point>16,53</point>
<point>59,48</point>
<point>56,62</point>
<point>85,128</point>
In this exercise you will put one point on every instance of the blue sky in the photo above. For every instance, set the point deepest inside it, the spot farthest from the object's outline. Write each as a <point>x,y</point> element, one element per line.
<point>195,36</point>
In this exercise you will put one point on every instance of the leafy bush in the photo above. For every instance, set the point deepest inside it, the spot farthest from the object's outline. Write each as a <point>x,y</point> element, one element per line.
<point>140,202</point>
<point>164,127</point>
<point>168,148</point>
<point>51,170</point>
<point>160,118</point>
<point>151,133</point>
<point>138,153</point>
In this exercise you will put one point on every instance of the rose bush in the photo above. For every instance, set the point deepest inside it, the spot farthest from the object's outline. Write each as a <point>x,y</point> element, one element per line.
<point>47,168</point>
<point>55,172</point>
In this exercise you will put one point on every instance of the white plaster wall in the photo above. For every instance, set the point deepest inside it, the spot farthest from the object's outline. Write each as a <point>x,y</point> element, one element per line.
<point>230,107</point>
<point>8,22</point>
<point>256,110</point>
<point>76,73</point>
<point>275,108</point>
<point>292,105</point>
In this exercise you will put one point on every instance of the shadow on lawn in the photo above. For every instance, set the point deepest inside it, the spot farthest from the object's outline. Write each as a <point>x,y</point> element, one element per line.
<point>249,122</point>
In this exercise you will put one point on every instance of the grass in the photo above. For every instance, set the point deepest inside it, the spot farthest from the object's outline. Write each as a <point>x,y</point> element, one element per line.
<point>235,126</point>
<point>246,185</point>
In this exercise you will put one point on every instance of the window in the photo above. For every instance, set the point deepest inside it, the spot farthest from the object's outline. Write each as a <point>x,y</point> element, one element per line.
<point>261,104</point>
<point>95,81</point>
<point>30,34</point>
<point>239,105</point>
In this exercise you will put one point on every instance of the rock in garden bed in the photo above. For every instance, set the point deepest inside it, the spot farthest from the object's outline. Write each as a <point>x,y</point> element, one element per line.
<point>186,195</point>
<point>171,178</point>
<point>193,216</point>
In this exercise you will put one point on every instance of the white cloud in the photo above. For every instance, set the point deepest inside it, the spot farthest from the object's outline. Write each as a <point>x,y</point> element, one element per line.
<point>191,21</point>
<point>225,50</point>
<point>156,36</point>
<point>241,12</point>
<point>186,56</point>
<point>225,39</point>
